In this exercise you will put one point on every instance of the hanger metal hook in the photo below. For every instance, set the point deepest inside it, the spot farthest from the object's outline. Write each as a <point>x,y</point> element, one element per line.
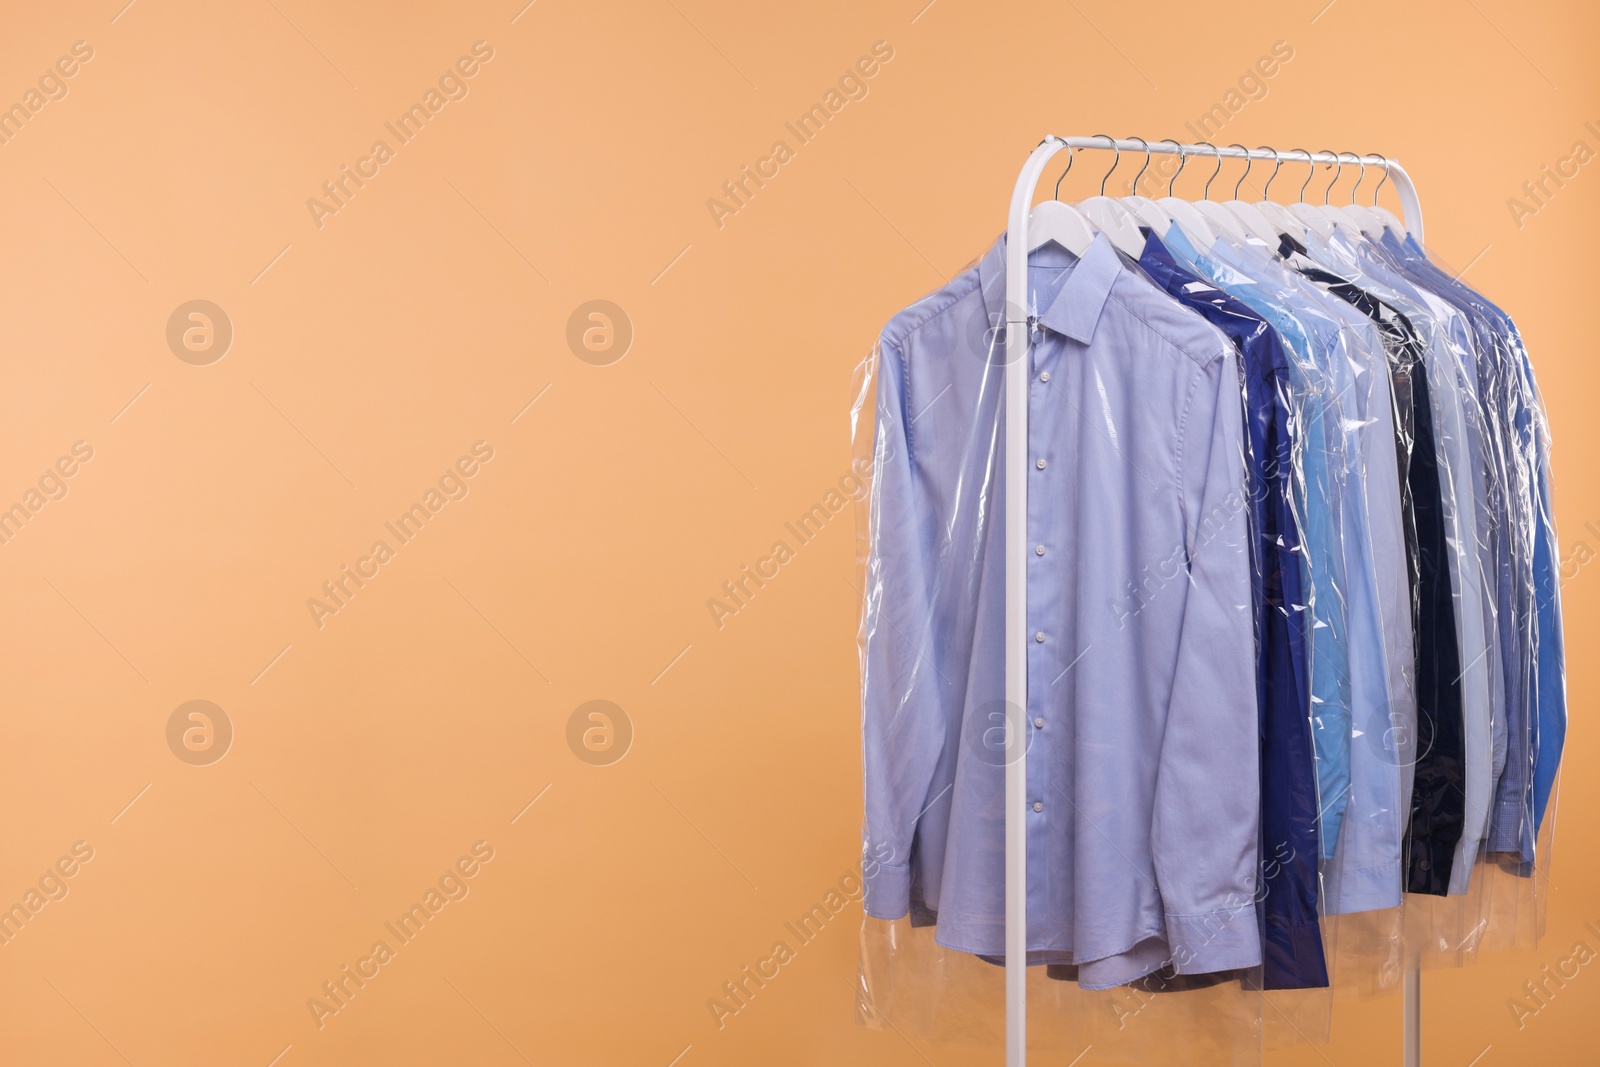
<point>1111,142</point>
<point>1249,161</point>
<point>1384,176</point>
<point>1205,194</point>
<point>1277,162</point>
<point>1057,193</point>
<point>1359,179</point>
<point>1338,165</point>
<point>1311,164</point>
<point>1135,187</point>
<point>1183,161</point>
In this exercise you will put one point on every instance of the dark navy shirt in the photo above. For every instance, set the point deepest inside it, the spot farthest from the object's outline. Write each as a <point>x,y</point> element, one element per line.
<point>1292,953</point>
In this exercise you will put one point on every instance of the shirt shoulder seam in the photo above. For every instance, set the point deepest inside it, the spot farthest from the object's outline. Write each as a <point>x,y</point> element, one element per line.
<point>1177,346</point>
<point>953,293</point>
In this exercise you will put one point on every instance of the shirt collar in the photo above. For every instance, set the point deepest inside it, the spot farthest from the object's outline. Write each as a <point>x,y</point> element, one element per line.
<point>1076,308</point>
<point>1154,254</point>
<point>992,280</point>
<point>1177,242</point>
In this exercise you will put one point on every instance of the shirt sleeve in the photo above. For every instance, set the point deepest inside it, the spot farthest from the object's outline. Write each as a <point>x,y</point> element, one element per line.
<point>1206,820</point>
<point>903,728</point>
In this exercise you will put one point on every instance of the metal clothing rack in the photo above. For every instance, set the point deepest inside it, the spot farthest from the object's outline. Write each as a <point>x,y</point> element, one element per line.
<point>1017,359</point>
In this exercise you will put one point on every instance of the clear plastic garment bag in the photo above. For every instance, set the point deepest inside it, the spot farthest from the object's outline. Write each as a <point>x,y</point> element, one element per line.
<point>1210,642</point>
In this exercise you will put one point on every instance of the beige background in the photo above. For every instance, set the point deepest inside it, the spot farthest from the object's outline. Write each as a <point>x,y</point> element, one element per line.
<point>427,314</point>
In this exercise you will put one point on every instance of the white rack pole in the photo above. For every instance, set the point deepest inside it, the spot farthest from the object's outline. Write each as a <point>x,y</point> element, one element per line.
<point>1413,1013</point>
<point>1018,369</point>
<point>1017,375</point>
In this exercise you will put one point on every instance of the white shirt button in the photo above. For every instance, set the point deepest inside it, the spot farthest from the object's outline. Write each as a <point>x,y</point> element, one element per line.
<point>1044,376</point>
<point>1038,550</point>
<point>1039,636</point>
<point>1039,722</point>
<point>1039,463</point>
<point>1038,805</point>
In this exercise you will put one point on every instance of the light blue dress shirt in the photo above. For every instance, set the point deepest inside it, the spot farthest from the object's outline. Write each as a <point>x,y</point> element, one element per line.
<point>1365,870</point>
<point>1546,690</point>
<point>1365,874</point>
<point>1140,728</point>
<point>1549,691</point>
<point>1322,459</point>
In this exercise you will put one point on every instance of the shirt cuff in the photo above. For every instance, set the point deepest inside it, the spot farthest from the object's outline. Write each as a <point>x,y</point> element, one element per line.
<point>1292,955</point>
<point>1505,827</point>
<point>1227,939</point>
<point>888,891</point>
<point>1428,869</point>
<point>1374,888</point>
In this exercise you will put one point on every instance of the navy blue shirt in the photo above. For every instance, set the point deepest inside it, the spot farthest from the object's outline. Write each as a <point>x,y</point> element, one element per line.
<point>1292,954</point>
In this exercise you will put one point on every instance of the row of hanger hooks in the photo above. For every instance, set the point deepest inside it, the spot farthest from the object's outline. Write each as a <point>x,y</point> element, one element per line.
<point>1277,157</point>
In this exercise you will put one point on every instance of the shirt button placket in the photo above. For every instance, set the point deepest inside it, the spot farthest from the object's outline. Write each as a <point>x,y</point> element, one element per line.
<point>1040,778</point>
